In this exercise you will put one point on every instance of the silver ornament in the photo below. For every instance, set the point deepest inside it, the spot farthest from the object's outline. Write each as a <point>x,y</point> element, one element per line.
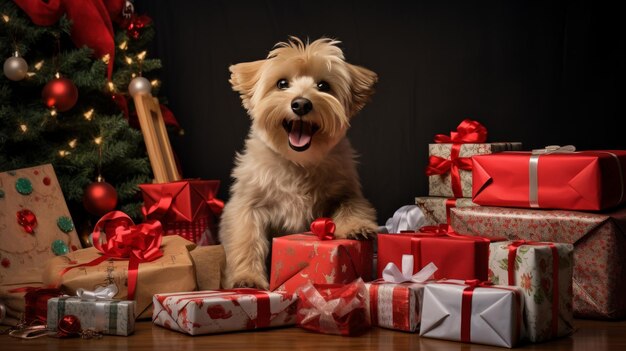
<point>139,86</point>
<point>15,68</point>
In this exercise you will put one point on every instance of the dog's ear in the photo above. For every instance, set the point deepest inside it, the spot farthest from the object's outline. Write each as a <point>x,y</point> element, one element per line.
<point>362,88</point>
<point>243,77</point>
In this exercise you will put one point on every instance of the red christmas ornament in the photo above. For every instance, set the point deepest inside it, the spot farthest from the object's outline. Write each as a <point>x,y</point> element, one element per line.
<point>60,93</point>
<point>69,325</point>
<point>28,220</point>
<point>135,24</point>
<point>99,198</point>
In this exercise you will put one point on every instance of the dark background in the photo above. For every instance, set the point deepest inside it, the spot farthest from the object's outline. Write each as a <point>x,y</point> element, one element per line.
<point>542,73</point>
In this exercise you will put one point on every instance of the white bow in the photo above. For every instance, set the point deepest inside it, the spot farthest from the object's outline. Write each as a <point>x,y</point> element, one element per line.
<point>327,310</point>
<point>554,149</point>
<point>101,293</point>
<point>392,274</point>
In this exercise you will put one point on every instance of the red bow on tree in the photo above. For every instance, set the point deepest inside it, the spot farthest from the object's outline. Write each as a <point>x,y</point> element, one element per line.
<point>92,21</point>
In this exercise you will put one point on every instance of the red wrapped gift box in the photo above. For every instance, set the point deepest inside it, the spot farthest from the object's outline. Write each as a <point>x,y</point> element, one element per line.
<point>456,256</point>
<point>588,180</point>
<point>36,300</point>
<point>187,208</point>
<point>599,241</point>
<point>300,258</point>
<point>334,308</point>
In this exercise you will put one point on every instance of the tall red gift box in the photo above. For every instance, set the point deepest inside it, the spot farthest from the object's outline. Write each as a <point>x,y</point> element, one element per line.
<point>456,256</point>
<point>301,258</point>
<point>599,240</point>
<point>187,208</point>
<point>587,180</point>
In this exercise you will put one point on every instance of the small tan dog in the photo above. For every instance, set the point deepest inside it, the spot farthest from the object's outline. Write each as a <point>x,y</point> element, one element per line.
<point>297,164</point>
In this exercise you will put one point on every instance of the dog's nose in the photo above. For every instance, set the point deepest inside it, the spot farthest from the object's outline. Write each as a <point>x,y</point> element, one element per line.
<point>301,106</point>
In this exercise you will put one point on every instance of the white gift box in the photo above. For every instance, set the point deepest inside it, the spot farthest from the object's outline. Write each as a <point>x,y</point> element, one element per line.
<point>218,311</point>
<point>490,315</point>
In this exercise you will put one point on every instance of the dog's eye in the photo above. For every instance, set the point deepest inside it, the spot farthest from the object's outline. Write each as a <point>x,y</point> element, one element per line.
<point>323,86</point>
<point>282,84</point>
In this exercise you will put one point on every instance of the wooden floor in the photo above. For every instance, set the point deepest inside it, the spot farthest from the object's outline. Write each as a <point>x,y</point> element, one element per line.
<point>590,336</point>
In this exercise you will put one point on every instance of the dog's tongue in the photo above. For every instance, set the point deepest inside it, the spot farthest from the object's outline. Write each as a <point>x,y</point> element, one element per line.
<point>300,133</point>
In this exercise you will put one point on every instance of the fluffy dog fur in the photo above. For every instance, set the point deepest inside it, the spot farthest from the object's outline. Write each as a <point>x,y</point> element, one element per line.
<point>278,190</point>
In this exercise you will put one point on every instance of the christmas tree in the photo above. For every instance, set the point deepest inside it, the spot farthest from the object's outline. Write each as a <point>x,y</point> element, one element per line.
<point>84,137</point>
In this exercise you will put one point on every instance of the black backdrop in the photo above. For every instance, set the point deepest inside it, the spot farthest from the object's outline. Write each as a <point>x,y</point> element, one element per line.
<point>543,73</point>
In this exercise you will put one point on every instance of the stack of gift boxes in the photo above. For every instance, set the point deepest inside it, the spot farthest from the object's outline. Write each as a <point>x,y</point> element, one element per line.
<point>517,244</point>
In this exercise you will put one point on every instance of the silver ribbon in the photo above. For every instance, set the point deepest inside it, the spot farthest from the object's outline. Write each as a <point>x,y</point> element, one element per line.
<point>392,274</point>
<point>101,293</point>
<point>102,297</point>
<point>408,217</point>
<point>533,165</point>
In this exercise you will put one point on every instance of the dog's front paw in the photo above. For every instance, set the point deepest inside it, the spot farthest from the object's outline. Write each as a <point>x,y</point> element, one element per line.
<point>249,281</point>
<point>355,228</point>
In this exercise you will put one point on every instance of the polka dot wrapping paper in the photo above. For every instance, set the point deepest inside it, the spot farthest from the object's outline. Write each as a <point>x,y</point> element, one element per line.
<point>35,226</point>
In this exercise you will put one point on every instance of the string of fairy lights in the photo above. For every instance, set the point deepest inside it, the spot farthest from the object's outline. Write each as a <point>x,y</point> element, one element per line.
<point>138,86</point>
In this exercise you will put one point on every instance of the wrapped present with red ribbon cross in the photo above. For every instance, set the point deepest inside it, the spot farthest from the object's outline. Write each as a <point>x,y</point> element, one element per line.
<point>218,311</point>
<point>395,301</point>
<point>138,259</point>
<point>543,271</point>
<point>188,208</point>
<point>456,256</point>
<point>449,167</point>
<point>319,258</point>
<point>472,311</point>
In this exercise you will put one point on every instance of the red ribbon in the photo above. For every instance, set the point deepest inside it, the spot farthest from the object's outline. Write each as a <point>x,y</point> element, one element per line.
<point>466,305</point>
<point>450,204</point>
<point>264,313</point>
<point>467,132</point>
<point>323,228</point>
<point>126,241</point>
<point>554,326</point>
<point>439,165</point>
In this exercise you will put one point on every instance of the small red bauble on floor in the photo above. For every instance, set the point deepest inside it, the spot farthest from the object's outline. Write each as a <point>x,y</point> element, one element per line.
<point>100,198</point>
<point>60,93</point>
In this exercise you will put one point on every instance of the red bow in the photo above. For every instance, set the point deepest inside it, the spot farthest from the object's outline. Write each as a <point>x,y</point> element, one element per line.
<point>468,131</point>
<point>324,228</point>
<point>126,241</point>
<point>91,21</point>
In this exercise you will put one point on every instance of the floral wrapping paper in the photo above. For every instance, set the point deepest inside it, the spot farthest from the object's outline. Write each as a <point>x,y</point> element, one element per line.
<point>395,306</point>
<point>495,314</point>
<point>534,275</point>
<point>112,317</point>
<point>218,311</point>
<point>23,254</point>
<point>599,278</point>
<point>434,208</point>
<point>301,258</point>
<point>440,185</point>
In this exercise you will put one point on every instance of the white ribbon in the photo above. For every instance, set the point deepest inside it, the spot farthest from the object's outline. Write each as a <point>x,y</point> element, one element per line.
<point>392,274</point>
<point>101,293</point>
<point>408,217</point>
<point>101,297</point>
<point>325,309</point>
<point>533,165</point>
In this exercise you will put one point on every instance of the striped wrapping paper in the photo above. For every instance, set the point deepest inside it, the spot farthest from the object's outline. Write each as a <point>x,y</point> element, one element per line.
<point>395,306</point>
<point>112,317</point>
